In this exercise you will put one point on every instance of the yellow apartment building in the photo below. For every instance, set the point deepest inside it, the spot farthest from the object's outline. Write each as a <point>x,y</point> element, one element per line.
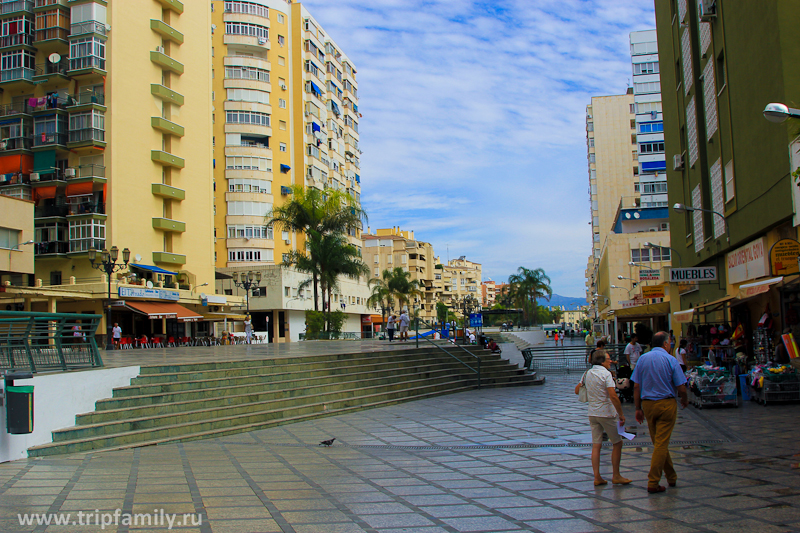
<point>105,125</point>
<point>457,280</point>
<point>16,239</point>
<point>393,247</point>
<point>285,114</point>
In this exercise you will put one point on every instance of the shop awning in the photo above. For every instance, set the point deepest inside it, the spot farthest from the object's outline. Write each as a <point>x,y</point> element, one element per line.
<point>155,310</point>
<point>642,311</point>
<point>79,189</point>
<point>749,290</point>
<point>683,317</point>
<point>151,268</point>
<point>219,317</point>
<point>44,162</point>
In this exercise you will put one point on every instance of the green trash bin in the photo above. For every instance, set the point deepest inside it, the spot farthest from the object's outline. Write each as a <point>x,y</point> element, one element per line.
<point>19,410</point>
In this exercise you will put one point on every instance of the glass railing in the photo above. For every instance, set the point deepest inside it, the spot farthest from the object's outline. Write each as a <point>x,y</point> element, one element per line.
<point>19,39</point>
<point>46,34</point>
<point>41,211</point>
<point>16,143</point>
<point>45,3</point>
<point>86,98</point>
<point>83,245</point>
<point>87,134</point>
<point>16,5</point>
<point>80,63</point>
<point>86,208</point>
<point>90,26</point>
<point>51,247</point>
<point>16,74</point>
<point>16,108</point>
<point>90,171</point>
<point>48,139</point>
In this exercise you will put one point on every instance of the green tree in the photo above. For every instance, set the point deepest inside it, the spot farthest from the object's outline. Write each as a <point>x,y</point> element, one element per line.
<point>336,257</point>
<point>312,210</point>
<point>382,294</point>
<point>526,287</point>
<point>441,311</point>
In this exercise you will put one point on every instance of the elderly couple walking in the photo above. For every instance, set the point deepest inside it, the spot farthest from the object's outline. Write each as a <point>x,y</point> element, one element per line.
<point>658,381</point>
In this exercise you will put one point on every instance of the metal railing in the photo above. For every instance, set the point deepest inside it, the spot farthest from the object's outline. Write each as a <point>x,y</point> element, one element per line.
<point>48,341</point>
<point>564,359</point>
<point>477,358</point>
<point>89,26</point>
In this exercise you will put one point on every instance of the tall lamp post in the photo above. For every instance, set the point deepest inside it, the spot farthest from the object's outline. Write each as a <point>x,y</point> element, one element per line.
<point>682,208</point>
<point>108,264</point>
<point>247,281</point>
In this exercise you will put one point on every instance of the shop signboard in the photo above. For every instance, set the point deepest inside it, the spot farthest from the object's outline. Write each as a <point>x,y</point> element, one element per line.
<point>655,291</point>
<point>783,257</point>
<point>748,262</point>
<point>649,274</point>
<point>692,275</point>
<point>366,320</point>
<point>153,294</point>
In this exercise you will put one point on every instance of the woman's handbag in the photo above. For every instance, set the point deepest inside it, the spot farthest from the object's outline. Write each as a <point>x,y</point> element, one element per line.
<point>583,393</point>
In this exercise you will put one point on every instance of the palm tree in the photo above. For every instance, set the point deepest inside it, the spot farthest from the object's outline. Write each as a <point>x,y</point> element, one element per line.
<point>382,293</point>
<point>403,286</point>
<point>312,210</point>
<point>336,257</point>
<point>527,286</point>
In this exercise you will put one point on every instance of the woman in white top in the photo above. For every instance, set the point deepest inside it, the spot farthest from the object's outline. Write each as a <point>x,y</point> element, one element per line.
<point>605,411</point>
<point>390,327</point>
<point>680,354</point>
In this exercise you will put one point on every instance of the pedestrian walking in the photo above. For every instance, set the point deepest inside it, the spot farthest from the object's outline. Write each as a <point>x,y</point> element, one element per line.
<point>116,335</point>
<point>633,350</point>
<point>658,381</point>
<point>589,340</point>
<point>555,336</point>
<point>605,415</point>
<point>390,323</point>
<point>248,329</point>
<point>680,354</point>
<point>561,337</point>
<point>404,322</point>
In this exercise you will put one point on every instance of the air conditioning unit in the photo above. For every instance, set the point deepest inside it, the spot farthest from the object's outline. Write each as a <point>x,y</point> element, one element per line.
<point>160,49</point>
<point>69,172</point>
<point>707,10</point>
<point>677,162</point>
<point>262,40</point>
<point>665,226</point>
<point>287,241</point>
<point>3,145</point>
<point>34,176</point>
<point>283,86</point>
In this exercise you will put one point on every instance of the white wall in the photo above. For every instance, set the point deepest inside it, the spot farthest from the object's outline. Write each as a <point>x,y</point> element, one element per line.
<point>57,398</point>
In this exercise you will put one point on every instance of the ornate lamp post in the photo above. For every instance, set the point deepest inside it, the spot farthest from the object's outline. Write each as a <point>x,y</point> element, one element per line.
<point>108,264</point>
<point>247,281</point>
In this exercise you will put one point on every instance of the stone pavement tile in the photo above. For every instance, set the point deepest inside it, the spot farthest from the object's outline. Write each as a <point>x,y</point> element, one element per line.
<point>302,505</point>
<point>230,491</point>
<point>174,508</point>
<point>738,503</point>
<point>504,478</point>
<point>453,511</point>
<point>573,525</point>
<point>378,508</point>
<point>482,493</point>
<point>657,526</point>
<point>614,515</point>
<point>291,494</point>
<point>697,515</point>
<point>666,504</point>
<point>326,528</point>
<point>739,526</point>
<point>22,501</point>
<point>503,502</point>
<point>579,504</point>
<point>414,530</point>
<point>464,484</point>
<point>368,497</point>
<point>550,494</point>
<point>43,491</point>
<point>163,498</point>
<point>91,505</point>
<point>489,524</point>
<point>80,529</point>
<point>540,512</point>
<point>241,526</point>
<point>418,489</point>
<point>398,481</point>
<point>700,492</point>
<point>402,520</point>
<point>26,482</point>
<point>97,494</point>
<point>237,513</point>
<point>314,517</point>
<point>783,514</point>
<point>231,501</point>
<point>442,499</point>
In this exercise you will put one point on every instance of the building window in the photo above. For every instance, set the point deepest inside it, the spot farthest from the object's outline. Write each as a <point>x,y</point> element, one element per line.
<point>710,98</point>
<point>248,95</point>
<point>651,127</point>
<point>246,73</point>
<point>590,126</point>
<point>282,147</point>
<point>247,117</point>
<point>85,234</point>
<point>658,187</point>
<point>697,220</point>
<point>686,50</point>
<point>281,61</point>
<point>249,185</point>
<point>280,18</point>
<point>87,127</point>
<point>9,238</point>
<point>691,131</point>
<point>246,8</point>
<point>651,148</point>
<point>645,68</point>
<point>87,52</point>
<point>592,158</point>
<point>730,189</point>
<point>251,30</point>
<point>248,163</point>
<point>281,40</point>
<point>648,87</point>
<point>717,197</point>
<point>282,103</point>
<point>250,255</point>
<point>282,125</point>
<point>259,209</point>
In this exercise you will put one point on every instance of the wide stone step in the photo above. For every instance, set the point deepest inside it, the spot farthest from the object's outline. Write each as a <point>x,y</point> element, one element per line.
<point>237,424</point>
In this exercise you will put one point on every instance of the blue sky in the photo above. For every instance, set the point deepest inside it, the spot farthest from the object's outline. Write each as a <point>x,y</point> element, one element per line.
<point>473,127</point>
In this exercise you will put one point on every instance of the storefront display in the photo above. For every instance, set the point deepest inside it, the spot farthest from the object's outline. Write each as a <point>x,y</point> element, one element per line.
<point>711,385</point>
<point>774,383</point>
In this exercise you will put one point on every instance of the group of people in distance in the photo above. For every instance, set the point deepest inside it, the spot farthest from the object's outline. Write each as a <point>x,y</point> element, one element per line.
<point>659,382</point>
<point>392,323</point>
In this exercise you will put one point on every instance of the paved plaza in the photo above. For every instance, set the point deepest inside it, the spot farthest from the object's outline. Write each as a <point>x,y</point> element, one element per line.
<point>492,460</point>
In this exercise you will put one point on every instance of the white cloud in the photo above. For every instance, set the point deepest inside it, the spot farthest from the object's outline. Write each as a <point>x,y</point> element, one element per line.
<point>473,126</point>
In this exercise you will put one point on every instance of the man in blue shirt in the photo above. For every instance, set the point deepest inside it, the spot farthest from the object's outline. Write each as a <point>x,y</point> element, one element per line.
<point>658,380</point>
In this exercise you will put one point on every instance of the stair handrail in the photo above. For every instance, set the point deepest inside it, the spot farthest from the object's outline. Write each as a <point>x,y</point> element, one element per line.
<point>478,359</point>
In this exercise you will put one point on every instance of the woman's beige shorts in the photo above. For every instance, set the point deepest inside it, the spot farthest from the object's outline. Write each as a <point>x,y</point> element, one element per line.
<point>609,425</point>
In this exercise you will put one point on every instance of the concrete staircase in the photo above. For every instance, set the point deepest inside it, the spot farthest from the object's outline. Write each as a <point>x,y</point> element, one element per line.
<point>196,401</point>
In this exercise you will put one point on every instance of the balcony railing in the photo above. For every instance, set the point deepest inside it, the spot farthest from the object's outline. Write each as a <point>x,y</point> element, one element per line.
<point>87,134</point>
<point>46,69</point>
<point>45,34</point>
<point>18,108</point>
<point>52,175</point>
<point>87,208</point>
<point>16,143</point>
<point>86,98</point>
<point>17,5</point>
<point>50,211</point>
<point>90,26</point>
<point>16,74</point>
<point>83,245</point>
<point>90,171</point>
<point>45,3</point>
<point>80,63</point>
<point>50,139</point>
<point>19,39</point>
<point>52,247</point>
<point>14,179</point>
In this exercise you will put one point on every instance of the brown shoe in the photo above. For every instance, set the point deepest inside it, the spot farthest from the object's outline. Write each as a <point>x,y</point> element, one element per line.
<point>656,489</point>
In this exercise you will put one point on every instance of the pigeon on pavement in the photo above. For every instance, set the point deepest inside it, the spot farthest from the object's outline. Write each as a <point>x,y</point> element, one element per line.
<point>327,442</point>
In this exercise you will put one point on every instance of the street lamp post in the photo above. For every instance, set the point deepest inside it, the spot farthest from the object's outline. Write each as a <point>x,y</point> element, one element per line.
<point>682,208</point>
<point>777,112</point>
<point>247,281</point>
<point>108,264</point>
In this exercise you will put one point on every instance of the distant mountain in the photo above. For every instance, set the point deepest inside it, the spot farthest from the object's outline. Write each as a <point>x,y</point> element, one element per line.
<point>566,301</point>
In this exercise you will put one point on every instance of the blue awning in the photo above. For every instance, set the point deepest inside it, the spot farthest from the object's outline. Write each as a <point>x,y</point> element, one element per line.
<point>315,88</point>
<point>335,107</point>
<point>315,127</point>
<point>654,165</point>
<point>358,178</point>
<point>151,268</point>
<point>285,168</point>
<point>10,121</point>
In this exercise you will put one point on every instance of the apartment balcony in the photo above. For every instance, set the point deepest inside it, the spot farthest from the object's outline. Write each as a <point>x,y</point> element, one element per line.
<point>166,63</point>
<point>169,258</point>
<point>54,177</point>
<point>50,211</point>
<point>247,18</point>
<point>86,28</point>
<point>87,67</point>
<point>15,144</point>
<point>16,77</point>
<point>86,209</point>
<point>50,140</point>
<point>82,246</point>
<point>246,42</point>
<point>167,159</point>
<point>46,5</point>
<point>86,173</point>
<point>18,108</point>
<point>86,138</point>
<point>249,197</point>
<point>258,150</point>
<point>166,94</point>
<point>174,5</point>
<point>166,31</point>
<point>240,173</point>
<point>167,191</point>
<point>51,248</point>
<point>166,126</point>
<point>169,225</point>
<point>249,129</point>
<point>53,39</point>
<point>17,40</point>
<point>18,7</point>
<point>236,83</point>
<point>49,74</point>
<point>246,61</point>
